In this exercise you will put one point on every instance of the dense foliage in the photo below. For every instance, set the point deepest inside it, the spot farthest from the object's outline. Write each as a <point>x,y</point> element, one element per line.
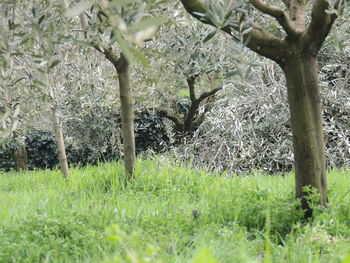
<point>41,151</point>
<point>96,135</point>
<point>94,138</point>
<point>249,127</point>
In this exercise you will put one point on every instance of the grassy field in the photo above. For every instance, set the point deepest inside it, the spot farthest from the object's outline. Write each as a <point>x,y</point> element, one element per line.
<point>167,214</point>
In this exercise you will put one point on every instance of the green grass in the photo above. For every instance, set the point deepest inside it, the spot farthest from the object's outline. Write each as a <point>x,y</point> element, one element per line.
<point>167,214</point>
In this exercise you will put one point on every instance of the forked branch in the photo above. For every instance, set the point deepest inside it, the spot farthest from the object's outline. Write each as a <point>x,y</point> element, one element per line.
<point>321,23</point>
<point>281,16</point>
<point>106,51</point>
<point>118,62</point>
<point>173,117</point>
<point>205,95</point>
<point>190,82</point>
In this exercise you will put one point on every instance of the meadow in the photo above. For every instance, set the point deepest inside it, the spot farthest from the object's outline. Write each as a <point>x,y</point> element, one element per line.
<point>168,213</point>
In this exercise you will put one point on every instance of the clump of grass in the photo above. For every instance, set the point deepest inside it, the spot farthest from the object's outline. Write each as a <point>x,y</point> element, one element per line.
<point>169,213</point>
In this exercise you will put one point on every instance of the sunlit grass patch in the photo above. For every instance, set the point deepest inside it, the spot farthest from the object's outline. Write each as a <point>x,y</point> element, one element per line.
<point>168,213</point>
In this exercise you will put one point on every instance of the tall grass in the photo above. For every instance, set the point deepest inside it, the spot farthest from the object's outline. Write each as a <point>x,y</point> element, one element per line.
<point>167,214</point>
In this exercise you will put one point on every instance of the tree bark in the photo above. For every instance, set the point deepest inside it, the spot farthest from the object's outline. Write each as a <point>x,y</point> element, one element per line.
<point>190,122</point>
<point>306,119</point>
<point>21,158</point>
<point>57,127</point>
<point>189,118</point>
<point>127,115</point>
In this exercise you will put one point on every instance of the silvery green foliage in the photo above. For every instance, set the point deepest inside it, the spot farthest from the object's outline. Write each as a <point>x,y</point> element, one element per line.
<point>186,48</point>
<point>95,136</point>
<point>91,123</point>
<point>178,52</point>
<point>14,76</point>
<point>241,132</point>
<point>335,88</point>
<point>249,128</point>
<point>36,50</point>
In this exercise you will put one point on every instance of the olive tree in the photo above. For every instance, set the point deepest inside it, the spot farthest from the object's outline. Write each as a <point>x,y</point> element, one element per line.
<point>295,50</point>
<point>14,84</point>
<point>50,54</point>
<point>116,29</point>
<point>191,74</point>
<point>40,44</point>
<point>193,66</point>
<point>20,97</point>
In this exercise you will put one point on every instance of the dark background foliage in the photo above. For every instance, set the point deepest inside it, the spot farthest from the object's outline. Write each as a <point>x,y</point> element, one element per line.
<point>150,135</point>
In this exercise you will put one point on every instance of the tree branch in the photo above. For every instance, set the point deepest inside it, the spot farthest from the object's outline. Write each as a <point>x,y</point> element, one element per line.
<point>209,96</point>
<point>281,16</point>
<point>108,53</point>
<point>321,24</point>
<point>205,95</point>
<point>175,119</point>
<point>190,82</point>
<point>207,106</point>
<point>24,69</point>
<point>175,108</point>
<point>260,42</point>
<point>199,120</point>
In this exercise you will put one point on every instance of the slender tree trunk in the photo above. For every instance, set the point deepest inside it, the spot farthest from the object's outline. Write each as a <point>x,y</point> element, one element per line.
<point>122,67</point>
<point>127,115</point>
<point>21,158</point>
<point>306,118</point>
<point>57,127</point>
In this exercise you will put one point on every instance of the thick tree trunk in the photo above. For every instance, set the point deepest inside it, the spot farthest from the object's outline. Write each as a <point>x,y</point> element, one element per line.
<point>57,127</point>
<point>127,115</point>
<point>21,158</point>
<point>306,118</point>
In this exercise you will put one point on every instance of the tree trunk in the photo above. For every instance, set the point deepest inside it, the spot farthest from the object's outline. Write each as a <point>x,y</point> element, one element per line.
<point>57,127</point>
<point>127,115</point>
<point>189,118</point>
<point>297,55</point>
<point>21,158</point>
<point>306,119</point>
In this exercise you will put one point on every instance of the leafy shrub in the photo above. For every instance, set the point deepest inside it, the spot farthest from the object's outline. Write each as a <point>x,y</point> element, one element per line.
<point>41,150</point>
<point>150,133</point>
<point>97,135</point>
<point>93,135</point>
<point>6,156</point>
